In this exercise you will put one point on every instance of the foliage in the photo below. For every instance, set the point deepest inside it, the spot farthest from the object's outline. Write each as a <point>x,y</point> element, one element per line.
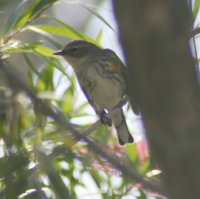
<point>38,158</point>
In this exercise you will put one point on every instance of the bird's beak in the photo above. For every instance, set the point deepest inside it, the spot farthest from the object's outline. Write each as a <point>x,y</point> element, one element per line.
<point>59,53</point>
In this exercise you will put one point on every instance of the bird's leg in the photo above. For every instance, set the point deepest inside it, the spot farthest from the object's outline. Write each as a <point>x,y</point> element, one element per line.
<point>104,119</point>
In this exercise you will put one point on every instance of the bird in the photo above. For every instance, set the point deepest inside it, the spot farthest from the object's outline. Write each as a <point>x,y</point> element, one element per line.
<point>100,74</point>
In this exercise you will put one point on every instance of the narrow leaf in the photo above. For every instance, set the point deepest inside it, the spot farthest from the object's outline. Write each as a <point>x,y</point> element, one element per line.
<point>46,35</point>
<point>74,34</point>
<point>15,16</point>
<point>41,5</point>
<point>38,7</point>
<point>30,64</point>
<point>57,65</point>
<point>98,16</point>
<point>196,8</point>
<point>45,51</point>
<point>22,47</point>
<point>53,175</point>
<point>99,36</point>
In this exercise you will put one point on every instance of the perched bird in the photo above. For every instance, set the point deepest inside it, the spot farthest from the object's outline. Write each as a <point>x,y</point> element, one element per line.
<point>100,74</point>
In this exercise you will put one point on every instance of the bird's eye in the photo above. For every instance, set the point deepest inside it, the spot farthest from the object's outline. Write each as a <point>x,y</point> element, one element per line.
<point>73,51</point>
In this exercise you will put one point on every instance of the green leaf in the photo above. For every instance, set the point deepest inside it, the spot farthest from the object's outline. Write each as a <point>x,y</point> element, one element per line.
<point>144,168</point>
<point>46,35</point>
<point>132,152</point>
<point>15,16</point>
<point>45,51</point>
<point>41,4</point>
<point>72,33</point>
<point>99,36</point>
<point>81,107</point>
<point>20,47</point>
<point>98,16</point>
<point>142,195</point>
<point>196,8</point>
<point>30,78</point>
<point>36,48</point>
<point>38,7</point>
<point>96,177</point>
<point>68,104</point>
<point>54,178</point>
<point>62,31</point>
<point>47,76</point>
<point>12,163</point>
<point>26,16</point>
<point>30,64</point>
<point>57,65</point>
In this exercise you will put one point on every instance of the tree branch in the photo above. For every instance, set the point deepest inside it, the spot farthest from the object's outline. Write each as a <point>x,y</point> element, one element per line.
<point>98,123</point>
<point>162,78</point>
<point>195,32</point>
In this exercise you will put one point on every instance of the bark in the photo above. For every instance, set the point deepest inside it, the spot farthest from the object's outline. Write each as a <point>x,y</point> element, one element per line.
<point>161,77</point>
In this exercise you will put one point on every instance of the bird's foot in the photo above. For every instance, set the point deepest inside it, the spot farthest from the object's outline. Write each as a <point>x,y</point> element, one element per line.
<point>105,119</point>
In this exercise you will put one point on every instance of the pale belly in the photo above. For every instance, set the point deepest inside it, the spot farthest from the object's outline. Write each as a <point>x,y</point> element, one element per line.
<point>106,94</point>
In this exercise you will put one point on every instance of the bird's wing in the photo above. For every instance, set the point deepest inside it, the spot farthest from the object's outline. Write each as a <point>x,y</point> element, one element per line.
<point>86,87</point>
<point>118,66</point>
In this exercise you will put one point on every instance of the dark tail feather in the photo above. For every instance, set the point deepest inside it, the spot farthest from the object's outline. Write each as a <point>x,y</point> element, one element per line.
<point>122,143</point>
<point>123,133</point>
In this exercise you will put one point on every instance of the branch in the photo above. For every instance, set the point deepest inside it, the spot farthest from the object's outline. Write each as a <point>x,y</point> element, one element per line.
<point>56,181</point>
<point>20,29</point>
<point>98,123</point>
<point>194,32</point>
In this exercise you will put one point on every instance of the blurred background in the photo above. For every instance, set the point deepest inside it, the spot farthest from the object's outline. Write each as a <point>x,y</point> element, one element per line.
<point>38,159</point>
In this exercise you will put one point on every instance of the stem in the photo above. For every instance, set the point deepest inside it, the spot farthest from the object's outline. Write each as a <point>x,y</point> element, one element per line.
<point>19,30</point>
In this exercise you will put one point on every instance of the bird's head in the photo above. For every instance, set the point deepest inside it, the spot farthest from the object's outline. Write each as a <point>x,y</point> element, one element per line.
<point>77,51</point>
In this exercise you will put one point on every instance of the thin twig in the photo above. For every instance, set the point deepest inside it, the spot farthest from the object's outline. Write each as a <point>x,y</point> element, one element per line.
<point>98,123</point>
<point>194,32</point>
<point>20,29</point>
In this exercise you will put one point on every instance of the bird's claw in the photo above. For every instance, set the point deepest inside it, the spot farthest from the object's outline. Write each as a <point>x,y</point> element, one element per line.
<point>105,120</point>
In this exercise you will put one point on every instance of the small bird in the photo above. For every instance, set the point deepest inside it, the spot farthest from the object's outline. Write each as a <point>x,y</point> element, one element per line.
<point>100,74</point>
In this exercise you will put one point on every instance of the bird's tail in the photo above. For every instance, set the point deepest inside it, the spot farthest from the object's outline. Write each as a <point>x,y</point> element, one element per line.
<point>123,133</point>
